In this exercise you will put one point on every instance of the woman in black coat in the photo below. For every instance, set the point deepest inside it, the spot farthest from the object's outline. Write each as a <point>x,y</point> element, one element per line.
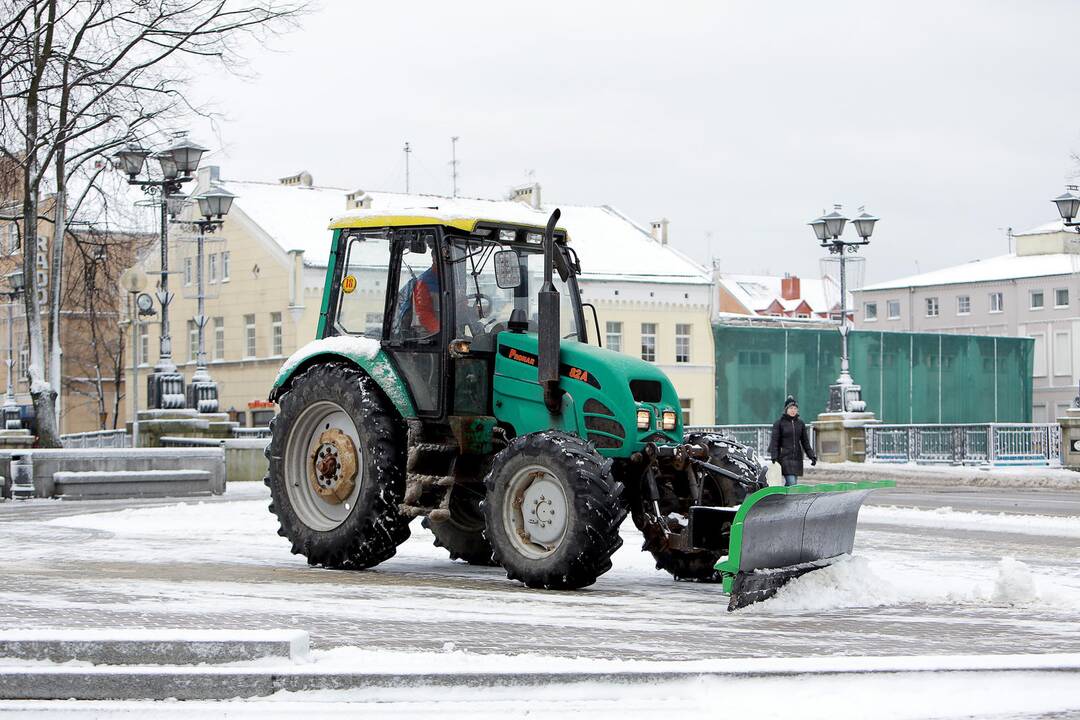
<point>789,440</point>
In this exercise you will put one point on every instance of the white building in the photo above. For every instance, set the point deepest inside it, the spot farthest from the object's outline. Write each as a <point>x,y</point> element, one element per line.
<point>1031,292</point>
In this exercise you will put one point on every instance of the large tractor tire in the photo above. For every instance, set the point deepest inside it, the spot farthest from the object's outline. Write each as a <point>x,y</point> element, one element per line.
<point>552,511</point>
<point>337,469</point>
<point>699,565</point>
<point>463,534</point>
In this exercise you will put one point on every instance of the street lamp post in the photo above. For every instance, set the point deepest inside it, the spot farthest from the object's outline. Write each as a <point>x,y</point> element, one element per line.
<point>214,205</point>
<point>165,387</point>
<point>1068,204</point>
<point>11,408</point>
<point>844,394</point>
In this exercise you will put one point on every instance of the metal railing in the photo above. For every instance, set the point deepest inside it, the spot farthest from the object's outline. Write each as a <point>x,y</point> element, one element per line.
<point>756,436</point>
<point>975,444</point>
<point>97,439</point>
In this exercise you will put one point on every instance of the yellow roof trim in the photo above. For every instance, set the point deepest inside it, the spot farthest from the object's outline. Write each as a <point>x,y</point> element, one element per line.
<point>466,224</point>
<point>376,221</point>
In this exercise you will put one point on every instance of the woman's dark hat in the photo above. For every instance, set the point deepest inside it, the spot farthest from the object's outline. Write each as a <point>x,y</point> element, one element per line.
<point>790,401</point>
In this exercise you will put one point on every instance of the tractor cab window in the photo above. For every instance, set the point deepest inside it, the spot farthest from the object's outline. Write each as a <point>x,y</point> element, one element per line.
<point>415,308</point>
<point>362,294</point>
<point>483,307</point>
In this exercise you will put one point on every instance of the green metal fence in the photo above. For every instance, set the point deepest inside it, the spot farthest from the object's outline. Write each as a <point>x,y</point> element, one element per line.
<point>906,377</point>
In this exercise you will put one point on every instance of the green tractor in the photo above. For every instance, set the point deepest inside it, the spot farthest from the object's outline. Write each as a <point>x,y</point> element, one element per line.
<point>453,379</point>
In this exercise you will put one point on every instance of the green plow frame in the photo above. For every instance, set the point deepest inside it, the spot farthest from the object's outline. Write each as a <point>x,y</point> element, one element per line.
<point>780,533</point>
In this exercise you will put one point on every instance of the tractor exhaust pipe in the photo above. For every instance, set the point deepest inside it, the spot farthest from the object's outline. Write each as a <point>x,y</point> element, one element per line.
<point>549,324</point>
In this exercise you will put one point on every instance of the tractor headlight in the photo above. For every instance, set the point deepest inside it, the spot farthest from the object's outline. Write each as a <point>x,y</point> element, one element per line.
<point>668,420</point>
<point>643,419</point>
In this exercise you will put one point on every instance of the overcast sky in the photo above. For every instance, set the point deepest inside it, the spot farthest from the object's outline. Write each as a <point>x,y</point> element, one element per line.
<point>737,121</point>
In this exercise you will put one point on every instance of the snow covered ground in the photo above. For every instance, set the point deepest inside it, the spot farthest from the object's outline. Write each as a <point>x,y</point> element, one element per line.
<point>921,583</point>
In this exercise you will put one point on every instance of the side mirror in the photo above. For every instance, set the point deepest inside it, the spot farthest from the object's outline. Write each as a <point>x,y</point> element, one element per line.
<point>507,269</point>
<point>417,245</point>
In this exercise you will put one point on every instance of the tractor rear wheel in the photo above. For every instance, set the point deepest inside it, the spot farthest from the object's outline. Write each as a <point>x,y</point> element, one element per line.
<point>463,534</point>
<point>552,511</point>
<point>337,470</point>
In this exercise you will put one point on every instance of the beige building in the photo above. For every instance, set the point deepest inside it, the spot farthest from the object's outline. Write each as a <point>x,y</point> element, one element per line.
<point>265,268</point>
<point>1031,292</point>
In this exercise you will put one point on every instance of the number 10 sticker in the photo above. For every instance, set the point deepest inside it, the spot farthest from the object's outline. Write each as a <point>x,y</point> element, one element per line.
<point>348,284</point>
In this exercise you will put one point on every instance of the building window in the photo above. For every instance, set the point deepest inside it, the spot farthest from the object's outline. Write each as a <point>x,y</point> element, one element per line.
<point>687,405</point>
<point>682,343</point>
<point>963,305</point>
<point>193,340</point>
<point>931,307</point>
<point>225,266</point>
<point>13,238</point>
<point>893,306</point>
<point>219,338</point>
<point>1036,299</point>
<point>144,344</point>
<point>648,341</point>
<point>613,336</point>
<point>1063,354</point>
<point>997,302</point>
<point>275,333</point>
<point>1061,297</point>
<point>870,311</point>
<point>187,271</point>
<point>24,361</point>
<point>211,268</point>
<point>249,336</point>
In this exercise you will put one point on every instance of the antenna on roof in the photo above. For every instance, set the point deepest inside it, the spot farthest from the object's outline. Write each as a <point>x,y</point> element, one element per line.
<point>453,166</point>
<point>407,151</point>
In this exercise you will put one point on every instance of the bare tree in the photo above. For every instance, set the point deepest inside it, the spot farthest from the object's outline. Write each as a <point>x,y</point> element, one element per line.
<point>79,78</point>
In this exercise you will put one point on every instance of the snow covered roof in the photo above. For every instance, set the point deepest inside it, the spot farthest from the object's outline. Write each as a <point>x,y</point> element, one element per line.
<point>758,292</point>
<point>610,245</point>
<point>1002,267</point>
<point>1054,226</point>
<point>294,216</point>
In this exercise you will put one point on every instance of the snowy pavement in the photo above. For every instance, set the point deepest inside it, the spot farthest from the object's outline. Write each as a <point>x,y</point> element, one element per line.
<point>922,582</point>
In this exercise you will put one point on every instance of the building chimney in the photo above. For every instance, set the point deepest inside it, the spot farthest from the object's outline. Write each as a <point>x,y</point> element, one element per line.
<point>207,174</point>
<point>358,199</point>
<point>790,287</point>
<point>302,178</point>
<point>528,194</point>
<point>658,229</point>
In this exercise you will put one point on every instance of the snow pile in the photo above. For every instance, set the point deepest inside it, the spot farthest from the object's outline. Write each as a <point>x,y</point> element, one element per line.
<point>849,582</point>
<point>858,582</point>
<point>1014,584</point>
<point>350,345</point>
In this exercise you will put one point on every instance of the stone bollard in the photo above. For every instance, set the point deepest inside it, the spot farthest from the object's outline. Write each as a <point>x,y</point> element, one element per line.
<point>1070,438</point>
<point>841,437</point>
<point>22,477</point>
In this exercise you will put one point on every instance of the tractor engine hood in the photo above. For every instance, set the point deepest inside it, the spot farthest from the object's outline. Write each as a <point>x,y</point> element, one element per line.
<point>604,395</point>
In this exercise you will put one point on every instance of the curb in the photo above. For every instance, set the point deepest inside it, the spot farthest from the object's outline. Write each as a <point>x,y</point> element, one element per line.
<point>210,683</point>
<point>128,647</point>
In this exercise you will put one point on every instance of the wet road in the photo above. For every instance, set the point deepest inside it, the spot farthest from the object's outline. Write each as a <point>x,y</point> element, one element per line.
<point>219,564</point>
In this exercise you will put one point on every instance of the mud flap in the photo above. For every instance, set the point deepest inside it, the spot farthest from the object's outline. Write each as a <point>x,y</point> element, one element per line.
<point>780,533</point>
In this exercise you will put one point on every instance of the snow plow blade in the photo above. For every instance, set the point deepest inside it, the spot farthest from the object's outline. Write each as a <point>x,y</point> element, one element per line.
<point>780,533</point>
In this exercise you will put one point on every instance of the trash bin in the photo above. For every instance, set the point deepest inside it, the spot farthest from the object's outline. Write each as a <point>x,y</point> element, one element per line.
<point>22,477</point>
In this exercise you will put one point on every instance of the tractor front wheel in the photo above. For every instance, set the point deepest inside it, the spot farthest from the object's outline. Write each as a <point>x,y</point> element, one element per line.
<point>337,470</point>
<point>552,511</point>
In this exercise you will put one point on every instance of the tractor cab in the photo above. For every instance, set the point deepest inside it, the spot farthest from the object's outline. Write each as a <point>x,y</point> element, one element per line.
<point>437,296</point>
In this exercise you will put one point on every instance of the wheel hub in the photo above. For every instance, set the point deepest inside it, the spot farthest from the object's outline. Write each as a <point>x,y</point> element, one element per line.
<point>543,511</point>
<point>332,466</point>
